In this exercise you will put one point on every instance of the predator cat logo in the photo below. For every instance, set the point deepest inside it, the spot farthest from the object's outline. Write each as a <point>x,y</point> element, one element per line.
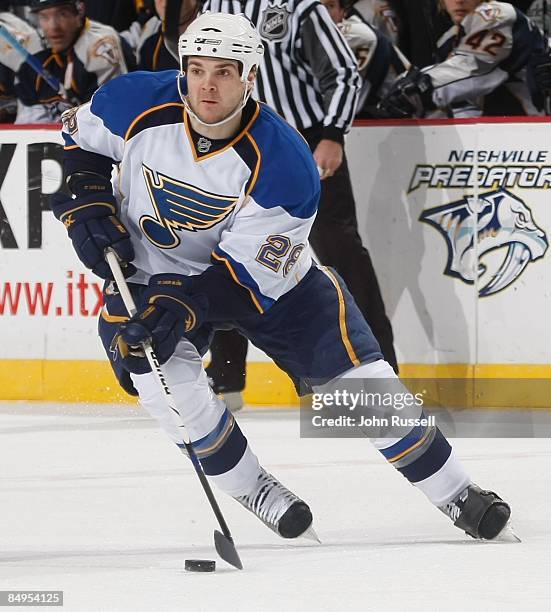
<point>106,48</point>
<point>500,220</point>
<point>179,206</point>
<point>489,12</point>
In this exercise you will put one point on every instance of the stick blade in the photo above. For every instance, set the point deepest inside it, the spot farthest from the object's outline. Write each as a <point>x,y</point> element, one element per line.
<point>226,549</point>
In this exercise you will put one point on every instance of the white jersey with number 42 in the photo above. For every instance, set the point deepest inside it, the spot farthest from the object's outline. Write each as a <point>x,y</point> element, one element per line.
<point>489,48</point>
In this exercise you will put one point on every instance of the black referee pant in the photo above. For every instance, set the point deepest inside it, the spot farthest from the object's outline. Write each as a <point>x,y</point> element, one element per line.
<point>337,243</point>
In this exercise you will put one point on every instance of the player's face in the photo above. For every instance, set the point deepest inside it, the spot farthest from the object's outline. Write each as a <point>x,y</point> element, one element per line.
<point>335,10</point>
<point>459,9</point>
<point>214,87</point>
<point>60,25</point>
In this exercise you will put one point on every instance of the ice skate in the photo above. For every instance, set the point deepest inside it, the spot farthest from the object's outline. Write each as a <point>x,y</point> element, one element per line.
<point>481,514</point>
<point>278,508</point>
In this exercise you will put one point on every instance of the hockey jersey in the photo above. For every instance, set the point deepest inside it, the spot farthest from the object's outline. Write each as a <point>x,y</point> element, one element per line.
<point>490,48</point>
<point>24,33</point>
<point>380,15</point>
<point>10,59</point>
<point>247,205</point>
<point>379,61</point>
<point>98,55</point>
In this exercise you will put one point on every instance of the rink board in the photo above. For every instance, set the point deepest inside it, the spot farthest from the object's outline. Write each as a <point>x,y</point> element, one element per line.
<point>424,192</point>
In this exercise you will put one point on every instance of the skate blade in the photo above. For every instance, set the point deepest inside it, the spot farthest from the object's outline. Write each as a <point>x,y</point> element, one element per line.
<point>507,535</point>
<point>310,534</point>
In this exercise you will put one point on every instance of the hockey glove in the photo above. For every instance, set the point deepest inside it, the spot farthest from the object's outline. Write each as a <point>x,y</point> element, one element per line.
<point>166,315</point>
<point>409,96</point>
<point>93,226</point>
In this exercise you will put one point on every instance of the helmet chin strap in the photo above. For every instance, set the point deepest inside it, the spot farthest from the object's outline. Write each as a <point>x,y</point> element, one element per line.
<point>246,95</point>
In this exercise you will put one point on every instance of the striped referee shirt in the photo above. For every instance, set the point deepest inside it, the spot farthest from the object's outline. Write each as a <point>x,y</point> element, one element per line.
<point>308,75</point>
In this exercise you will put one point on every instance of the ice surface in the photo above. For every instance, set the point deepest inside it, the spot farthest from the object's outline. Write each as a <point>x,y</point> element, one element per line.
<point>95,501</point>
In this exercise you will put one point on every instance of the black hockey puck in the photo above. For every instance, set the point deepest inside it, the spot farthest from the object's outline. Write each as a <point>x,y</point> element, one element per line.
<point>200,565</point>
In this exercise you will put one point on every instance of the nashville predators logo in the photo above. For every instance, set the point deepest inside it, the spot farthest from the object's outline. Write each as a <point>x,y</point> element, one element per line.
<point>500,221</point>
<point>489,12</point>
<point>179,206</point>
<point>107,49</point>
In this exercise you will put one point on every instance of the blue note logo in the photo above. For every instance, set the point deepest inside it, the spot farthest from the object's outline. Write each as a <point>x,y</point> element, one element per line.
<point>500,220</point>
<point>179,206</point>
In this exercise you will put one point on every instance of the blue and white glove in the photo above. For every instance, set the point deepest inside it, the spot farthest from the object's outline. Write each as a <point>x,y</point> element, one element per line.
<point>92,225</point>
<point>166,315</point>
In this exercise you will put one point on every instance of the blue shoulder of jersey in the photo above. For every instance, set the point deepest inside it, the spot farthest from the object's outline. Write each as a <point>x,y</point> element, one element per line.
<point>288,175</point>
<point>126,97</point>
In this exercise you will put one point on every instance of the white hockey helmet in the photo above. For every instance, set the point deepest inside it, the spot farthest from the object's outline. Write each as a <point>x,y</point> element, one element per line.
<point>223,35</point>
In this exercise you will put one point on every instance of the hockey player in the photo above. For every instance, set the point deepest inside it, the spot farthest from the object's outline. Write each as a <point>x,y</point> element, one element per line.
<point>10,60</point>
<point>210,216</point>
<point>82,54</point>
<point>379,61</point>
<point>482,69</point>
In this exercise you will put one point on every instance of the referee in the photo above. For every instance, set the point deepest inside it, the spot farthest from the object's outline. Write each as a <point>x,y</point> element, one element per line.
<point>309,76</point>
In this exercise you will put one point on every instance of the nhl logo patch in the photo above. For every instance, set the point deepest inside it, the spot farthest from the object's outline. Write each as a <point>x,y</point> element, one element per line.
<point>204,145</point>
<point>275,23</point>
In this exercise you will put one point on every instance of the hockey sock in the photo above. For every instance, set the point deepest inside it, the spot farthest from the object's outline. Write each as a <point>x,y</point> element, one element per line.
<point>217,438</point>
<point>423,455</point>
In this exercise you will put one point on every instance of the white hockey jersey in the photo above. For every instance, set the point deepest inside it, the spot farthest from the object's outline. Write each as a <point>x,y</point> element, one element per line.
<point>248,205</point>
<point>379,14</point>
<point>491,47</point>
<point>24,33</point>
<point>379,61</point>
<point>10,59</point>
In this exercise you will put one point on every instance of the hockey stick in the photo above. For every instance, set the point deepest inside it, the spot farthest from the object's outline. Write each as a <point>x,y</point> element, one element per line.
<point>223,542</point>
<point>33,62</point>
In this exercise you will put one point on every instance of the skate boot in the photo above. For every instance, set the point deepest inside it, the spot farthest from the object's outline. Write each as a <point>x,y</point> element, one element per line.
<point>481,514</point>
<point>278,508</point>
